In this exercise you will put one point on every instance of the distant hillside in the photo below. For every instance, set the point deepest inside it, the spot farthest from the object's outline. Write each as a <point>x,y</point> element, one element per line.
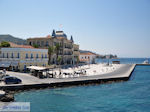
<point>10,38</point>
<point>85,51</point>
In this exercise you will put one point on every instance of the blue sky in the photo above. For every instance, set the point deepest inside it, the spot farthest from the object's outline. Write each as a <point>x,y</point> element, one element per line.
<point>119,27</point>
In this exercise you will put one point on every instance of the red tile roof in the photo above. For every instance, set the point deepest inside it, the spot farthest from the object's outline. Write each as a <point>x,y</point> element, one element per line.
<point>87,53</point>
<point>19,46</point>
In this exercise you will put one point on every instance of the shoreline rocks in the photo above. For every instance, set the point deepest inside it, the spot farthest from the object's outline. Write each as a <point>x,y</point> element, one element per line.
<point>6,97</point>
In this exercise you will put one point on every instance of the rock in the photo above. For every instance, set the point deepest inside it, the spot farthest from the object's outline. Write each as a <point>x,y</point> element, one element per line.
<point>7,98</point>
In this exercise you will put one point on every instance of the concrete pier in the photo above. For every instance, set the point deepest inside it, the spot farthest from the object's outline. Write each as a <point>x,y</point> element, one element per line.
<point>31,82</point>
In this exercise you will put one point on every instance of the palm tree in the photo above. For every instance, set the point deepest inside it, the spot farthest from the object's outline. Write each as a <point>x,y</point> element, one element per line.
<point>51,50</point>
<point>77,61</point>
<point>57,49</point>
<point>59,62</point>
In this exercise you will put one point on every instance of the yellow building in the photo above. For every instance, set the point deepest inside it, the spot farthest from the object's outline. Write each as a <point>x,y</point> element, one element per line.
<point>20,58</point>
<point>68,50</point>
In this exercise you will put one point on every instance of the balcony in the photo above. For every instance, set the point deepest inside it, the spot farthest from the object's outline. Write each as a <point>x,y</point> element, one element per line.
<point>36,59</point>
<point>68,47</point>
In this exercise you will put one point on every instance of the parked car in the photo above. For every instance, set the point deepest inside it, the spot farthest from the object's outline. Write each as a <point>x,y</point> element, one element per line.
<point>2,76</point>
<point>11,80</point>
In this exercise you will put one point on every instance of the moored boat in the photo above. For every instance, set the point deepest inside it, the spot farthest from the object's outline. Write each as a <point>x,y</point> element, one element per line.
<point>146,62</point>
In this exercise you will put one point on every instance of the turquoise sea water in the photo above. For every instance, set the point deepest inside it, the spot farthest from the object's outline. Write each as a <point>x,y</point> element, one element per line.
<point>129,96</point>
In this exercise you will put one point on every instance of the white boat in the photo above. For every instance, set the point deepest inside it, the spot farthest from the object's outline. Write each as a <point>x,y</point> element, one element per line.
<point>146,62</point>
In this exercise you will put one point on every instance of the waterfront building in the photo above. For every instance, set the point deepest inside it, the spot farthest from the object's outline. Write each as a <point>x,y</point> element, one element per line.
<point>18,58</point>
<point>69,51</point>
<point>87,57</point>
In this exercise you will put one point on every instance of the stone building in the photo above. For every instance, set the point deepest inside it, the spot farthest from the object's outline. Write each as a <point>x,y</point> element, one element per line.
<point>69,51</point>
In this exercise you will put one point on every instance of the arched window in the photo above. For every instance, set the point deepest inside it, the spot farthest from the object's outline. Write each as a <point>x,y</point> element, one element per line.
<point>38,43</point>
<point>46,43</point>
<point>31,56</point>
<point>3,55</point>
<point>12,55</point>
<point>42,43</point>
<point>30,43</point>
<point>42,56</point>
<point>25,67</point>
<point>37,56</point>
<point>45,55</point>
<point>26,55</point>
<point>18,55</point>
<point>7,55</point>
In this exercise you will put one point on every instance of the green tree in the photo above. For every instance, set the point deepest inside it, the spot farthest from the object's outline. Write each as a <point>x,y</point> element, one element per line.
<point>5,44</point>
<point>59,60</point>
<point>51,50</point>
<point>35,46</point>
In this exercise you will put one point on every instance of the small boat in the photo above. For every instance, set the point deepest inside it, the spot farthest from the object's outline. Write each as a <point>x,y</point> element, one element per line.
<point>146,62</point>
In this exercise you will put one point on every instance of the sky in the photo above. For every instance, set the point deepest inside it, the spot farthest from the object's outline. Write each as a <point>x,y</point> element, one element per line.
<point>120,27</point>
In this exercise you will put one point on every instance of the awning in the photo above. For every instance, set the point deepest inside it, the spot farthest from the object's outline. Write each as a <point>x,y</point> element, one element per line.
<point>36,68</point>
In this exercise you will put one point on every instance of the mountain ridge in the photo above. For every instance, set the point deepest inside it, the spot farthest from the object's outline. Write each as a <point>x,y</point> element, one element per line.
<point>10,38</point>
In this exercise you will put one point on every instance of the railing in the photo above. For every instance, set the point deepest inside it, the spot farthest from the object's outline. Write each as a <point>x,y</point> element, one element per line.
<point>36,59</point>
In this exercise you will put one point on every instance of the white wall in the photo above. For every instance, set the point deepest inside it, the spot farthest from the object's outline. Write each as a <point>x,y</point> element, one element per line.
<point>89,58</point>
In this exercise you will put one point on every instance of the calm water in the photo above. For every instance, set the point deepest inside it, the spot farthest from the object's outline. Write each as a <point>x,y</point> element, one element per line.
<point>124,60</point>
<point>129,96</point>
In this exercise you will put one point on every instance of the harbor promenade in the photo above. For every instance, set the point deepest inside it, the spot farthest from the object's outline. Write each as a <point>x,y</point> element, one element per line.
<point>31,82</point>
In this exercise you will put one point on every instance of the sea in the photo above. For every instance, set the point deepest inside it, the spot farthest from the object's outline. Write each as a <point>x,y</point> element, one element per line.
<point>128,96</point>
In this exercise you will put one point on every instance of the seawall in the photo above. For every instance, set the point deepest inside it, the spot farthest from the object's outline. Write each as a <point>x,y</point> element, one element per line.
<point>123,74</point>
